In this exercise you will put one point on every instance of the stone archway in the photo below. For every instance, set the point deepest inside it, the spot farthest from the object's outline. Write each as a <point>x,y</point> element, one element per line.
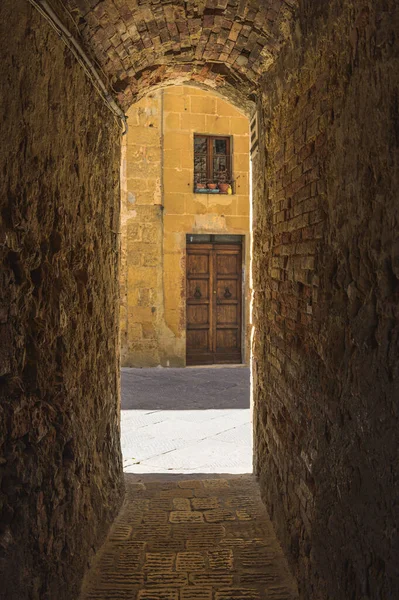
<point>325,274</point>
<point>225,44</point>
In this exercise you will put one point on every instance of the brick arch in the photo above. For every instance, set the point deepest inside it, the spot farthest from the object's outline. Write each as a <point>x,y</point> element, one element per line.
<point>223,44</point>
<point>204,78</point>
<point>243,102</point>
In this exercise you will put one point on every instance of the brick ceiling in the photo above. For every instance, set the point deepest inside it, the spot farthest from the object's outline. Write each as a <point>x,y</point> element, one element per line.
<point>224,44</point>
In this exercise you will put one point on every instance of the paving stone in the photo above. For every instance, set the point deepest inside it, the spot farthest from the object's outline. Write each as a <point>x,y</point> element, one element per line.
<point>218,515</point>
<point>205,503</point>
<point>181,504</point>
<point>196,593</point>
<point>150,531</point>
<point>256,578</point>
<point>134,546</point>
<point>190,561</point>
<point>184,560</point>
<point>167,579</point>
<point>202,545</point>
<point>166,545</point>
<point>233,542</point>
<point>135,519</point>
<point>238,594</point>
<point>103,594</point>
<point>121,580</point>
<point>164,485</point>
<point>156,517</point>
<point>242,503</point>
<point>255,556</point>
<point>243,515</point>
<point>215,483</point>
<point>212,579</point>
<point>176,493</point>
<point>129,558</point>
<point>151,593</point>
<point>212,532</point>
<point>220,560</point>
<point>159,561</point>
<point>134,504</point>
<point>191,484</point>
<point>136,487</point>
<point>181,516</point>
<point>162,504</point>
<point>120,532</point>
<point>107,560</point>
<point>247,529</point>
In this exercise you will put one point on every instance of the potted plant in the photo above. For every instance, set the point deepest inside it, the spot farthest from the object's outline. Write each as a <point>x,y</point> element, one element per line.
<point>199,187</point>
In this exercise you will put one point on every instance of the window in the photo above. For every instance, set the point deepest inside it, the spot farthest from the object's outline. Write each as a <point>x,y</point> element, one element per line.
<point>212,164</point>
<point>203,238</point>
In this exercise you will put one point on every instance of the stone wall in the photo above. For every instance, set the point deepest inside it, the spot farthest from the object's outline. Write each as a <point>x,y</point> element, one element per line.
<point>189,110</point>
<point>141,242</point>
<point>159,207</point>
<point>326,271</point>
<point>60,465</point>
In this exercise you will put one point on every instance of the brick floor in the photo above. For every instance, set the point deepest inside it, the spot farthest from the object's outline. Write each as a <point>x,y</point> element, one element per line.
<point>179,538</point>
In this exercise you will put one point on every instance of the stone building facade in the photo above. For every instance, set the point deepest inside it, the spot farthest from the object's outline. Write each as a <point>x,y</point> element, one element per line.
<point>162,204</point>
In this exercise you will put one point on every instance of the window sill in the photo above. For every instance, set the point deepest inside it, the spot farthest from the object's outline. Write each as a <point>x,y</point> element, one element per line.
<point>203,192</point>
<point>216,189</point>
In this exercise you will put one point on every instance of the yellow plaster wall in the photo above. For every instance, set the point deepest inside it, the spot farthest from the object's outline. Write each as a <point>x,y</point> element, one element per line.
<point>141,235</point>
<point>159,170</point>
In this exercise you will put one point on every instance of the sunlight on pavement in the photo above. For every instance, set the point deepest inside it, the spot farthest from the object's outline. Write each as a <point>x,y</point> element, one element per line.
<point>187,441</point>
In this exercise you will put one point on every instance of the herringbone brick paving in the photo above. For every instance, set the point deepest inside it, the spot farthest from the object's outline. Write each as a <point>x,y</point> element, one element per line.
<point>190,539</point>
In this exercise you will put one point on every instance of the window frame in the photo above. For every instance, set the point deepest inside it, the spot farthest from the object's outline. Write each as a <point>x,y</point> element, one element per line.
<point>210,174</point>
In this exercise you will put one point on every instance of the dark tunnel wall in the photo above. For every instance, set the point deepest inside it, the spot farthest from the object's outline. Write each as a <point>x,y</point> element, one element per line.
<point>60,464</point>
<point>326,279</point>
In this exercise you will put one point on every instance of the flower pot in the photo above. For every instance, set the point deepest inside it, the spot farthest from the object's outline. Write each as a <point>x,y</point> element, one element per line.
<point>200,186</point>
<point>212,186</point>
<point>223,187</point>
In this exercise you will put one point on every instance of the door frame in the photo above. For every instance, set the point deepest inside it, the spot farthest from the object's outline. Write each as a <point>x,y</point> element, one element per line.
<point>200,238</point>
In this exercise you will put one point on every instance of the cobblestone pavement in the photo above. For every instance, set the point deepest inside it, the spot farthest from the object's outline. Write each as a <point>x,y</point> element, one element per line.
<point>194,420</point>
<point>190,539</point>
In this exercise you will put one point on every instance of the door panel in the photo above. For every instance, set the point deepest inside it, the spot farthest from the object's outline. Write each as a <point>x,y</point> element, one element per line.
<point>213,303</point>
<point>226,315</point>
<point>199,304</point>
<point>198,315</point>
<point>227,283</point>
<point>226,289</point>
<point>198,289</point>
<point>198,263</point>
<point>198,340</point>
<point>226,263</point>
<point>227,338</point>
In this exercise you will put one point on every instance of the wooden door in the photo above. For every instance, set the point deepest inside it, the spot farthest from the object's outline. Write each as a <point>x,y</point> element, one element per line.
<point>213,303</point>
<point>227,303</point>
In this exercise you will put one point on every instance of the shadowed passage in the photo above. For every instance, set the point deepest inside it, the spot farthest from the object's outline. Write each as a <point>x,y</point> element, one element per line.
<point>180,538</point>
